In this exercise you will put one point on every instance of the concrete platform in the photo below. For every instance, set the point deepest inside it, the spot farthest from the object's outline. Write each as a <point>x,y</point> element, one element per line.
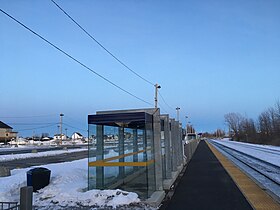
<point>206,185</point>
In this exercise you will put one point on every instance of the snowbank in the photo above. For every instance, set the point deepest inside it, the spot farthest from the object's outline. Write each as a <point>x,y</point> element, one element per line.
<point>4,158</point>
<point>67,189</point>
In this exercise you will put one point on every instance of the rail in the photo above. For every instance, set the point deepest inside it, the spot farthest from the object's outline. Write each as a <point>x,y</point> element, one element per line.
<point>264,173</point>
<point>9,206</point>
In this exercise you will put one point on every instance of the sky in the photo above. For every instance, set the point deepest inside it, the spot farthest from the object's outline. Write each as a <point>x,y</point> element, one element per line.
<point>209,57</point>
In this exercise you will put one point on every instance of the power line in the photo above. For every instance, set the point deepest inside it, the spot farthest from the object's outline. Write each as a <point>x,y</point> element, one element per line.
<point>162,107</point>
<point>74,59</point>
<point>36,116</point>
<point>37,127</point>
<point>73,119</point>
<point>102,46</point>
<point>26,124</point>
<point>165,101</point>
<point>74,127</point>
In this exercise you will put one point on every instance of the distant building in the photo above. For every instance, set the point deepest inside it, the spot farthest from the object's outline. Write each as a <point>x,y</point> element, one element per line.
<point>59,137</point>
<point>77,136</point>
<point>6,133</point>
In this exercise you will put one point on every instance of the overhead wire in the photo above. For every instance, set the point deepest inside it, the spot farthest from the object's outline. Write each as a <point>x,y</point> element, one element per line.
<point>74,59</point>
<point>101,45</point>
<point>74,127</point>
<point>162,107</point>
<point>36,116</point>
<point>73,119</point>
<point>26,124</point>
<point>165,101</point>
<point>26,129</point>
<point>104,48</point>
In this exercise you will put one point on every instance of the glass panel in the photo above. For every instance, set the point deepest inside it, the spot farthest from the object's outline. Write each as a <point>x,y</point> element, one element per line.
<point>149,143</point>
<point>140,143</point>
<point>111,140</point>
<point>111,149</point>
<point>163,156</point>
<point>136,176</point>
<point>128,148</point>
<point>91,156</point>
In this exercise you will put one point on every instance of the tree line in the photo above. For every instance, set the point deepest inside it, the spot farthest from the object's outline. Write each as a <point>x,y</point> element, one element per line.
<point>264,130</point>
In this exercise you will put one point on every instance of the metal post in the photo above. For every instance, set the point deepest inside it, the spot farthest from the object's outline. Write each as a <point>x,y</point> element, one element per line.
<point>173,145</point>
<point>61,115</point>
<point>177,109</point>
<point>156,94</point>
<point>135,148</point>
<point>26,197</point>
<point>167,144</point>
<point>99,156</point>
<point>121,152</point>
<point>66,133</point>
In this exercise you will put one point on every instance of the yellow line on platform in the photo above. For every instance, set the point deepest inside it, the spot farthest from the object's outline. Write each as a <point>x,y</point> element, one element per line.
<point>256,196</point>
<point>106,163</point>
<point>122,156</point>
<point>121,163</point>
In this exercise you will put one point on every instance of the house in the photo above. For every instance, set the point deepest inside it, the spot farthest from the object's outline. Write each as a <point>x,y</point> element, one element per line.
<point>77,136</point>
<point>6,133</point>
<point>59,137</point>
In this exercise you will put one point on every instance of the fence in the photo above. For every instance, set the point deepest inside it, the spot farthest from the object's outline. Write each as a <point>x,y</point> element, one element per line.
<point>9,206</point>
<point>189,149</point>
<point>26,194</point>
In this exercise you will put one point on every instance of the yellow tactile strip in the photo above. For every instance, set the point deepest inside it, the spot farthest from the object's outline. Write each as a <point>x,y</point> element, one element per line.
<point>257,197</point>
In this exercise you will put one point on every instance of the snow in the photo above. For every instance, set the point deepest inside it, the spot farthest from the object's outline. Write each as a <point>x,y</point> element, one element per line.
<point>270,154</point>
<point>68,183</point>
<point>4,158</point>
<point>67,188</point>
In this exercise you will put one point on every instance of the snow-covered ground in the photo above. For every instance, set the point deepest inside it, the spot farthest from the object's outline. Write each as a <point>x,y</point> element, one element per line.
<point>68,185</point>
<point>67,188</point>
<point>270,154</point>
<point>262,164</point>
<point>39,154</point>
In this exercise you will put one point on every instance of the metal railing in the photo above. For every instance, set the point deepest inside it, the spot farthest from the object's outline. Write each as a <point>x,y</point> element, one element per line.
<point>26,194</point>
<point>9,206</point>
<point>189,148</point>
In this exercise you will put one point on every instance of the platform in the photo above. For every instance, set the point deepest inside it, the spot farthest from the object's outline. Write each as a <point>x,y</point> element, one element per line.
<point>206,185</point>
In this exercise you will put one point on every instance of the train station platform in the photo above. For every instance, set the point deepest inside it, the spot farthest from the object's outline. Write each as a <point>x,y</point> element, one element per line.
<point>206,185</point>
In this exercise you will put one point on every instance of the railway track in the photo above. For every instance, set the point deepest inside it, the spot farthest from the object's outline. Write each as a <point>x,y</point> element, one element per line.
<point>264,173</point>
<point>262,149</point>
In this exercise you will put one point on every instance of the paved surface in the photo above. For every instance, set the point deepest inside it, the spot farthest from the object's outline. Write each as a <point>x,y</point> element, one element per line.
<point>24,163</point>
<point>206,185</point>
<point>9,151</point>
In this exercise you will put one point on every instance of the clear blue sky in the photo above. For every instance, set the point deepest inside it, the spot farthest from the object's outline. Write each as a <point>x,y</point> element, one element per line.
<point>210,58</point>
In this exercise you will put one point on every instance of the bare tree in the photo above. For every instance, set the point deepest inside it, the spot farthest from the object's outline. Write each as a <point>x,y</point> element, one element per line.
<point>247,130</point>
<point>234,120</point>
<point>265,130</point>
<point>265,124</point>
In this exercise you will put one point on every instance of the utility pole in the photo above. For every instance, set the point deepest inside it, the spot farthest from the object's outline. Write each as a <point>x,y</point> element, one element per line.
<point>61,115</point>
<point>177,109</point>
<point>156,94</point>
<point>66,133</point>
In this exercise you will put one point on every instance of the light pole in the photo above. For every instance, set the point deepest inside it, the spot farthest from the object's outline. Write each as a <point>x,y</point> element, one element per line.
<point>157,86</point>
<point>177,109</point>
<point>189,127</point>
<point>66,133</point>
<point>61,115</point>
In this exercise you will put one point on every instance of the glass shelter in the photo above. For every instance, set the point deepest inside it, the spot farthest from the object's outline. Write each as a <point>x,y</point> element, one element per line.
<point>121,152</point>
